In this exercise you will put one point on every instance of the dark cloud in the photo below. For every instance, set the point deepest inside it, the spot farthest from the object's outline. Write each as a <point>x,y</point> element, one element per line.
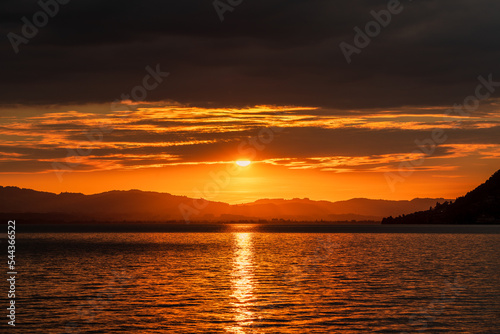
<point>265,52</point>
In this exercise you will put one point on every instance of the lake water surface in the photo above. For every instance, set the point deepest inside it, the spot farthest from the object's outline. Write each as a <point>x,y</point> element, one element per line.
<point>243,280</point>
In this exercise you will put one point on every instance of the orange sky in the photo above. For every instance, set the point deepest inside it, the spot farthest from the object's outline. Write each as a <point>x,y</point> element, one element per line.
<point>295,151</point>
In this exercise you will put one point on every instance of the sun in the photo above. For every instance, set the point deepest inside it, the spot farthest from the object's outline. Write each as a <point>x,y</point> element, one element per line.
<point>243,163</point>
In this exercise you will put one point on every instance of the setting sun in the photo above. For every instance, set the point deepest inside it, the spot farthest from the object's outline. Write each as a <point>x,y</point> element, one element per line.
<point>243,163</point>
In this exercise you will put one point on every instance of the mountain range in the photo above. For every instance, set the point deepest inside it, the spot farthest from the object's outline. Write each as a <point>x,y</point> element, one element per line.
<point>136,205</point>
<point>479,206</point>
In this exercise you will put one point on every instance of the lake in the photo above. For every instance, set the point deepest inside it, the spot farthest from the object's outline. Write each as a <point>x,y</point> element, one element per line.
<point>246,279</point>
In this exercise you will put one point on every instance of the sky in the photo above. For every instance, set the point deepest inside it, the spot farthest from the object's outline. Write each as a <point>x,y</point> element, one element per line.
<point>329,99</point>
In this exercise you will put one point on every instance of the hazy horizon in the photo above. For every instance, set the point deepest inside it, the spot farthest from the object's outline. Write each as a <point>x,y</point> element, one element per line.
<point>233,203</point>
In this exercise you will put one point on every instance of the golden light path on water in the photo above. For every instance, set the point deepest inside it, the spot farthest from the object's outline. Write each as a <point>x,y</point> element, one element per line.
<point>242,283</point>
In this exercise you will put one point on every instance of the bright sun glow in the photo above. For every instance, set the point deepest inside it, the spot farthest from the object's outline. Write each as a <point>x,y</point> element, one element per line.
<point>243,163</point>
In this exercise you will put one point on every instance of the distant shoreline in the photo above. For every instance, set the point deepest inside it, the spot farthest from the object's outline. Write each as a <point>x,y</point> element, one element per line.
<point>299,227</point>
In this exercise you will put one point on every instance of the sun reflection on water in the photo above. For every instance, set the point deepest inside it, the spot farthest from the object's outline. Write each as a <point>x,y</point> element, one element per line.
<point>242,283</point>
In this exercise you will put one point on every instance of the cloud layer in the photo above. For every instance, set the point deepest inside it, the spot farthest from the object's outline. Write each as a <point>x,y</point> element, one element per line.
<point>272,52</point>
<point>155,134</point>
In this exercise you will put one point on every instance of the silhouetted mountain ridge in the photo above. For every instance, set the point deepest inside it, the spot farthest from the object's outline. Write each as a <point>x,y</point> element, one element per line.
<point>479,206</point>
<point>137,205</point>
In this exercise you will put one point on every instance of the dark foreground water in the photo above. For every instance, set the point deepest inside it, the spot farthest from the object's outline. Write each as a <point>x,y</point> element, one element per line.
<point>243,280</point>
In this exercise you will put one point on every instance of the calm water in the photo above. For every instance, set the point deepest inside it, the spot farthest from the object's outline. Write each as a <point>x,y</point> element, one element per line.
<point>242,281</point>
